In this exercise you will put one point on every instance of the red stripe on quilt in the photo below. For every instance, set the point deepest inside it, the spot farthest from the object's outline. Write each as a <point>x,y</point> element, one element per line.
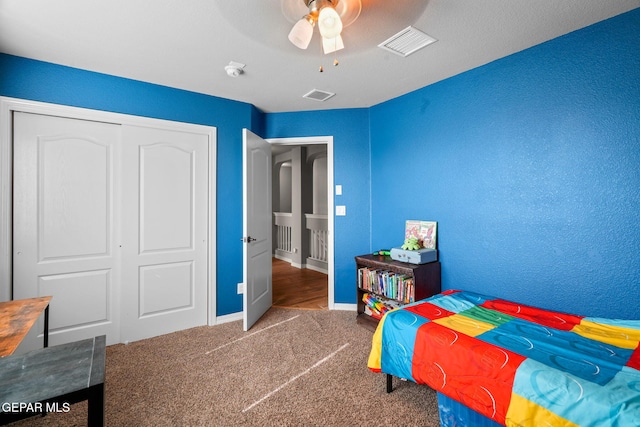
<point>428,310</point>
<point>634,360</point>
<point>477,374</point>
<point>552,319</point>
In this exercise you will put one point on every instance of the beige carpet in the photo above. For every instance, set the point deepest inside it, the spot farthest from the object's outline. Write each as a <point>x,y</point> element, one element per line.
<point>293,368</point>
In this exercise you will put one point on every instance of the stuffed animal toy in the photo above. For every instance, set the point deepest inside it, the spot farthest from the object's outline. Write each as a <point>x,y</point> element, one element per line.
<point>411,244</point>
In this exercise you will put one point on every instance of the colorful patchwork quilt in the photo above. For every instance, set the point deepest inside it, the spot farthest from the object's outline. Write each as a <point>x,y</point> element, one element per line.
<point>516,364</point>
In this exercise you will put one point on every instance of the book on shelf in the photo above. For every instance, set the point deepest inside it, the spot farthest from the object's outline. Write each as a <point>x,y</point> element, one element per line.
<point>376,306</point>
<point>369,312</point>
<point>387,283</point>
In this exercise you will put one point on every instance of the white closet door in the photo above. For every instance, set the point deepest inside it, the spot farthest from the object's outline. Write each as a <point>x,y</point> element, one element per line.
<point>112,221</point>
<point>65,223</point>
<point>164,238</point>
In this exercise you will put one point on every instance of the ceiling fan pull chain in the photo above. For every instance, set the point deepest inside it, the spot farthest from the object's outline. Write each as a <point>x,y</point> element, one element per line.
<point>320,68</point>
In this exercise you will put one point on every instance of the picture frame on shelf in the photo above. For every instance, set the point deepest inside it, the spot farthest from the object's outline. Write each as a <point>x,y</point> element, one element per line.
<point>425,231</point>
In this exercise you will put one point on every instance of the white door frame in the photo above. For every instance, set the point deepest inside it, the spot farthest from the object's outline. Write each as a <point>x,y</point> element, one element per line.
<point>328,141</point>
<point>9,105</point>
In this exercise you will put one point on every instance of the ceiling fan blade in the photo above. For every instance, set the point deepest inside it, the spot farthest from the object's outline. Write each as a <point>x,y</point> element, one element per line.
<point>349,10</point>
<point>293,10</point>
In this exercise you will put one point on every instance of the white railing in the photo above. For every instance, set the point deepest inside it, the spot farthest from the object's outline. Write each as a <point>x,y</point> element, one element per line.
<point>318,249</point>
<point>318,227</point>
<point>283,231</point>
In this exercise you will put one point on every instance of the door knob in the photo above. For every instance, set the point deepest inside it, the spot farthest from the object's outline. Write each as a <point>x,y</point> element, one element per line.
<point>248,239</point>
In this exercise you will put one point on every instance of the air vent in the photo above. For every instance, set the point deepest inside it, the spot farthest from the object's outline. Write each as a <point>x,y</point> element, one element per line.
<point>318,95</point>
<point>407,41</point>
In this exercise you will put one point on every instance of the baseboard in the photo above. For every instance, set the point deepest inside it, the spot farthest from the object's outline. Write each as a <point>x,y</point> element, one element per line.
<point>282,258</point>
<point>289,260</point>
<point>318,269</point>
<point>228,318</point>
<point>301,266</point>
<point>345,307</point>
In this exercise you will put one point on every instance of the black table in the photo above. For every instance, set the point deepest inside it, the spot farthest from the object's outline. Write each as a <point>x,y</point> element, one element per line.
<point>50,379</point>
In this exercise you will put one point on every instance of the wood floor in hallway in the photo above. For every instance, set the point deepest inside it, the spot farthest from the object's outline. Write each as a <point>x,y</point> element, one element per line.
<point>299,287</point>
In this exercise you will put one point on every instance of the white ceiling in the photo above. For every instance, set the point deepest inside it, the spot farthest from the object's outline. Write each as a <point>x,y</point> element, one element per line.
<point>186,44</point>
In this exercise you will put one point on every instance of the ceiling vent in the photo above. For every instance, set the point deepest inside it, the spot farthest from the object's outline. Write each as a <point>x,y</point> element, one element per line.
<point>407,41</point>
<point>318,95</point>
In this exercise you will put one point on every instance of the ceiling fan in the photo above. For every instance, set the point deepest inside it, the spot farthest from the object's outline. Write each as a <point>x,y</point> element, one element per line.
<point>331,16</point>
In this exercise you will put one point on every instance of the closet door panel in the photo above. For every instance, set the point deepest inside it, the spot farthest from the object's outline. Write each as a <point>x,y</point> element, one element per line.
<point>165,244</point>
<point>65,224</point>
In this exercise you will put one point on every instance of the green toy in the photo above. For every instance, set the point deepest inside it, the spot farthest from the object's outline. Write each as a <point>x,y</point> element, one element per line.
<point>411,244</point>
<point>383,252</point>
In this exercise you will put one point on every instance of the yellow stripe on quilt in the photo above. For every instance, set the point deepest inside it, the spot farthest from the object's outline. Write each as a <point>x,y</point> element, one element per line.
<point>523,413</point>
<point>464,324</point>
<point>615,335</point>
<point>376,348</point>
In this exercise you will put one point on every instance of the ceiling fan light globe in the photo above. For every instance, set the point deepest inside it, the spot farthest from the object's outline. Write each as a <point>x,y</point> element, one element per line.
<point>332,45</point>
<point>301,33</point>
<point>329,23</point>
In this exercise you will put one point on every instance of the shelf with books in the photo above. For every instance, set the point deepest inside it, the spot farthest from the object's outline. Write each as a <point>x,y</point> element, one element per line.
<point>385,283</point>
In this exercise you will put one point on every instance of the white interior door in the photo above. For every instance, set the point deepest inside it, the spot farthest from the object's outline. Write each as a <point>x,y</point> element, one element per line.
<point>164,238</point>
<point>66,216</point>
<point>256,227</point>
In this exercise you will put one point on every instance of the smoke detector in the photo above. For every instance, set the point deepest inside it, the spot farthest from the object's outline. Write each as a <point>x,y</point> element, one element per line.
<point>234,69</point>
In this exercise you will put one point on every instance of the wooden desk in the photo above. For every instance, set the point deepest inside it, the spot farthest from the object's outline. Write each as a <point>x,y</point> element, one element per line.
<point>53,378</point>
<point>17,318</point>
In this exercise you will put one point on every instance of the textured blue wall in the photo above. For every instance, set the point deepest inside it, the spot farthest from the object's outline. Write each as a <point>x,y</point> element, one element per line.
<point>531,166</point>
<point>350,131</point>
<point>40,81</point>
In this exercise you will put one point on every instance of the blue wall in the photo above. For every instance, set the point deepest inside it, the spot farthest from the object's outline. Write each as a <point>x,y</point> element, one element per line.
<point>531,166</point>
<point>40,81</point>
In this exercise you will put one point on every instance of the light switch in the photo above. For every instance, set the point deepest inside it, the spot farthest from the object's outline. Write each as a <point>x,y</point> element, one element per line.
<point>341,210</point>
<point>338,190</point>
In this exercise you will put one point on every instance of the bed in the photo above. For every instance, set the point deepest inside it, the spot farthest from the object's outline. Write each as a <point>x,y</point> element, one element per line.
<point>515,365</point>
